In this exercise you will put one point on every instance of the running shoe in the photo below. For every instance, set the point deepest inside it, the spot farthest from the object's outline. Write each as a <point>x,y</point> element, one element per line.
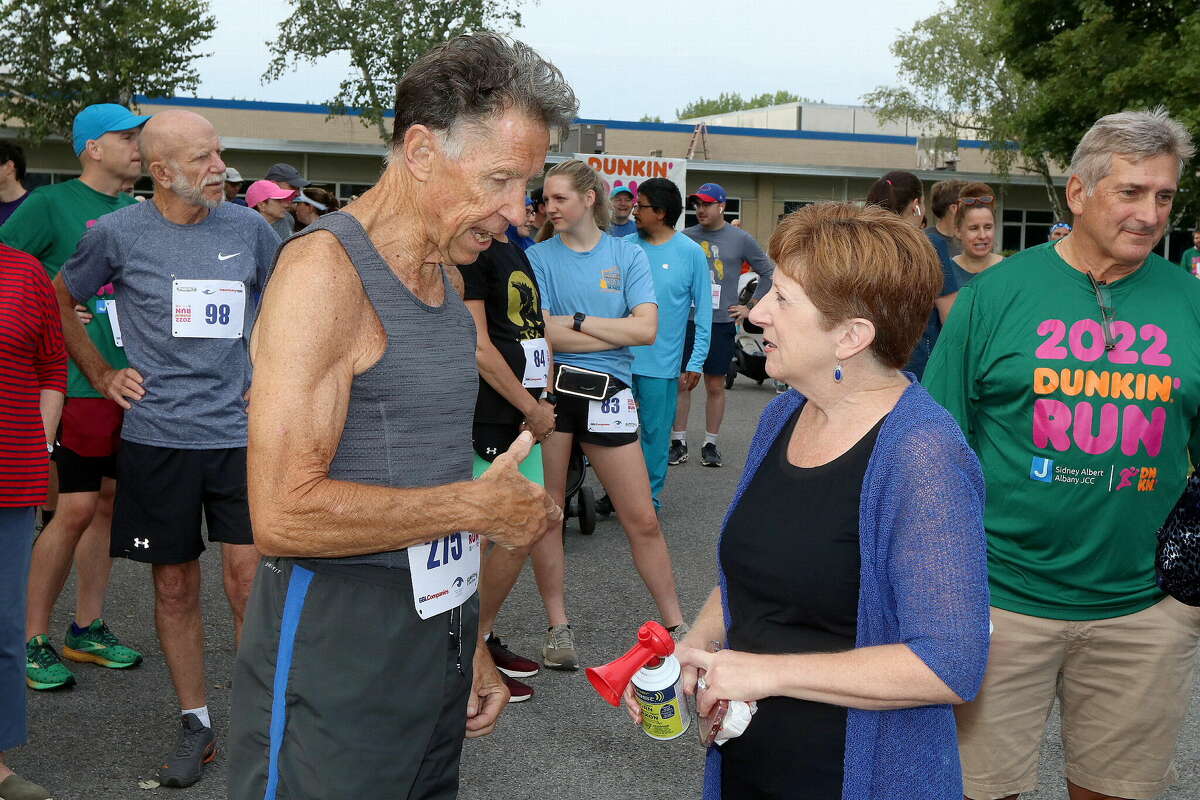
<point>14,787</point>
<point>604,505</point>
<point>97,644</point>
<point>43,668</point>
<point>677,454</point>
<point>195,747</point>
<point>710,456</point>
<point>517,692</point>
<point>508,662</point>
<point>559,650</point>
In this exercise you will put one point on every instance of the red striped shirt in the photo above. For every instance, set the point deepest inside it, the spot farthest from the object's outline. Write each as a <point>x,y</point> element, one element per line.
<point>32,358</point>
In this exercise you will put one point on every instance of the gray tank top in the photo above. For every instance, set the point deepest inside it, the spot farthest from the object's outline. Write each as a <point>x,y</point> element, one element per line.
<point>408,424</point>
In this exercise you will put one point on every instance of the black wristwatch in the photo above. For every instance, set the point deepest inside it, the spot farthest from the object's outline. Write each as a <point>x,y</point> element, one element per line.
<point>579,318</point>
<point>550,397</point>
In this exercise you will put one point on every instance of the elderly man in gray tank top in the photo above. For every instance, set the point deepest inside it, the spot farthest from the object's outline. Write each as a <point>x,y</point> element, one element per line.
<point>359,669</point>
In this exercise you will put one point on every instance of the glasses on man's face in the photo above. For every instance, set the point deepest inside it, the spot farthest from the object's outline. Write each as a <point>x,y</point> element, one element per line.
<point>983,200</point>
<point>1108,314</point>
<point>644,207</point>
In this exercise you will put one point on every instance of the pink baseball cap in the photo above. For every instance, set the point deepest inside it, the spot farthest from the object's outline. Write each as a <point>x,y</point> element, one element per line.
<point>266,190</point>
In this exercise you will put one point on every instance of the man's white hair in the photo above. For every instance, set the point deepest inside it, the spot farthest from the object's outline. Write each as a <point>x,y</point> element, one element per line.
<point>1135,135</point>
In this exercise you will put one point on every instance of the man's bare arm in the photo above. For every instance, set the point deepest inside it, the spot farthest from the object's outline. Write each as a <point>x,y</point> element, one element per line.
<point>119,385</point>
<point>307,348</point>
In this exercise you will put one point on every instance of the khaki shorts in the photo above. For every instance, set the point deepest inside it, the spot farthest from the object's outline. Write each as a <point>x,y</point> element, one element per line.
<point>1124,685</point>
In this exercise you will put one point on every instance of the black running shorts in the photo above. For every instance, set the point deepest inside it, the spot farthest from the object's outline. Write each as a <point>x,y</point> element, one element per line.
<point>78,473</point>
<point>161,494</point>
<point>720,347</point>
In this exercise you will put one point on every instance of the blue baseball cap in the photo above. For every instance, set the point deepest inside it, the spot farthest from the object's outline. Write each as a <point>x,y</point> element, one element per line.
<point>101,118</point>
<point>618,190</point>
<point>709,193</point>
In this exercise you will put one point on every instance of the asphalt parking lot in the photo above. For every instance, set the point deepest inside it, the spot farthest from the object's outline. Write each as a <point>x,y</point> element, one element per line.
<point>106,735</point>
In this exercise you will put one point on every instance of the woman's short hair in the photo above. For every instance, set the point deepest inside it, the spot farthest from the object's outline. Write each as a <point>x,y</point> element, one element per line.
<point>1135,135</point>
<point>894,191</point>
<point>980,194</point>
<point>862,262</point>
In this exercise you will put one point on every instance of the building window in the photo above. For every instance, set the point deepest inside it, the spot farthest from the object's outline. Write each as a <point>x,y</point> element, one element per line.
<point>1021,228</point>
<point>733,210</point>
<point>347,191</point>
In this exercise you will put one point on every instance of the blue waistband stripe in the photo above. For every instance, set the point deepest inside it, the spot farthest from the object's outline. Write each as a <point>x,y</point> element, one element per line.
<point>293,605</point>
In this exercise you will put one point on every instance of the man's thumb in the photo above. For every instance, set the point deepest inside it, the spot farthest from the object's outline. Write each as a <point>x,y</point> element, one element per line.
<point>521,446</point>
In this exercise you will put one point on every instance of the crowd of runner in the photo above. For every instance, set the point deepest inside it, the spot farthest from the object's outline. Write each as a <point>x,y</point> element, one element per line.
<point>902,591</point>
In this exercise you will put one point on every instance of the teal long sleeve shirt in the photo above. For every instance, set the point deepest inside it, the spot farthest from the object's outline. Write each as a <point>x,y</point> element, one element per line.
<point>680,272</point>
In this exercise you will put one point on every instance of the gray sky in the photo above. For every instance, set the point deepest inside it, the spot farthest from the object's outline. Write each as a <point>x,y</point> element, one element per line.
<point>640,61</point>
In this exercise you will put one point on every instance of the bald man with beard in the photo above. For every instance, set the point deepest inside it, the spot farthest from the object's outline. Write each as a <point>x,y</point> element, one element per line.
<point>188,269</point>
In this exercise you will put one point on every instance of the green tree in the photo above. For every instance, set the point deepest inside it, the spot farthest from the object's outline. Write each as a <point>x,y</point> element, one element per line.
<point>732,101</point>
<point>382,39</point>
<point>955,82</point>
<point>649,118</point>
<point>1095,57</point>
<point>62,55</point>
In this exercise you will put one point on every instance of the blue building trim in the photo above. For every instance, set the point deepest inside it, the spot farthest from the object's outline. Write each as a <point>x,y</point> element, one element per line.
<point>666,127</point>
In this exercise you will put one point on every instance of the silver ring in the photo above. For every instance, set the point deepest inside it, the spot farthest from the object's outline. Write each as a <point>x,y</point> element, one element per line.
<point>701,684</point>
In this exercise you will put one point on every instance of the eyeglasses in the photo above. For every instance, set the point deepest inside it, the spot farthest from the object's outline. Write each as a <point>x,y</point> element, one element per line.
<point>640,205</point>
<point>1108,314</point>
<point>983,200</point>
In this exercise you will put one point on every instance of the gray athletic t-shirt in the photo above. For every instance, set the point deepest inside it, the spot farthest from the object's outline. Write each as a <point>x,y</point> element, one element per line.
<point>726,248</point>
<point>194,385</point>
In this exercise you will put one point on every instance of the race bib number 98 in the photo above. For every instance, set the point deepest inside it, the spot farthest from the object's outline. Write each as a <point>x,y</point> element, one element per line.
<point>207,309</point>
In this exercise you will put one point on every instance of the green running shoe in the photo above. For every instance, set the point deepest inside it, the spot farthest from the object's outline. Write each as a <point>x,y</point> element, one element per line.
<point>98,645</point>
<point>43,668</point>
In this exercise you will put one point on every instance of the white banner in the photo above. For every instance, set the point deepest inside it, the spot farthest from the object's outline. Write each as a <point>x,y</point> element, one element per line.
<point>632,170</point>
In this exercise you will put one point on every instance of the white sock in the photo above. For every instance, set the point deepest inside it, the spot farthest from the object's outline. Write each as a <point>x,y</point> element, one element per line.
<point>201,714</point>
<point>679,436</point>
<point>710,438</point>
<point>487,636</point>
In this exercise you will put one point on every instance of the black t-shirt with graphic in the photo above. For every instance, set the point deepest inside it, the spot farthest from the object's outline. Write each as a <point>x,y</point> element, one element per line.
<point>503,279</point>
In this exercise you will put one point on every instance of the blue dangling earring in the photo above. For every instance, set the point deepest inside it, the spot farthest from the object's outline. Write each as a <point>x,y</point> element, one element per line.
<point>837,372</point>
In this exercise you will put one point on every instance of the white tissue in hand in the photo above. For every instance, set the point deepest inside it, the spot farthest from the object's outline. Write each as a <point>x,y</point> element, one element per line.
<point>736,719</point>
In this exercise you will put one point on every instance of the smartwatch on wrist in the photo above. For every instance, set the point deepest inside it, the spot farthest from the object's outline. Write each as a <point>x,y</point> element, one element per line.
<point>550,397</point>
<point>579,318</point>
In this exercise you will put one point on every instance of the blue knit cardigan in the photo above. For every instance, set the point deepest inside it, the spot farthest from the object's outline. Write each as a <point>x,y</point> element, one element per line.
<point>923,583</point>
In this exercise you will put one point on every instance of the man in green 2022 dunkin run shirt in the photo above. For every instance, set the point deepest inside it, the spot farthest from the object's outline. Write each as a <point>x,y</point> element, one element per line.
<point>1074,370</point>
<point>49,225</point>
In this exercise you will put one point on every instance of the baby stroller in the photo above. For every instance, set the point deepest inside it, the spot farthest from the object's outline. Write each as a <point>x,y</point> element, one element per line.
<point>580,500</point>
<point>749,358</point>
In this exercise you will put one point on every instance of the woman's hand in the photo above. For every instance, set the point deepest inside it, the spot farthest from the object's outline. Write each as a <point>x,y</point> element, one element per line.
<point>728,675</point>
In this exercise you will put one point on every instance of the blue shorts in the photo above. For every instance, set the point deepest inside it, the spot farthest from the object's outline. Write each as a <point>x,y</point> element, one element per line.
<point>720,347</point>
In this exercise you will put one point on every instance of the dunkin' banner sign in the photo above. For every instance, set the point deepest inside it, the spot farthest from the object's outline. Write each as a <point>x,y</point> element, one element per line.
<point>632,170</point>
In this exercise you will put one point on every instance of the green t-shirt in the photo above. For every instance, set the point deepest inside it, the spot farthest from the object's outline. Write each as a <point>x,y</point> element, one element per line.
<point>1191,261</point>
<point>48,226</point>
<point>1084,451</point>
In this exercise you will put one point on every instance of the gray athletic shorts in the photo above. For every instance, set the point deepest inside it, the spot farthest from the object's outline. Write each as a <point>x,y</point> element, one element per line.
<point>341,690</point>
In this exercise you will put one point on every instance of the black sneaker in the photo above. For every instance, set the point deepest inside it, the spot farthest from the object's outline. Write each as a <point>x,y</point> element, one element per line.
<point>710,456</point>
<point>196,746</point>
<point>678,452</point>
<point>604,505</point>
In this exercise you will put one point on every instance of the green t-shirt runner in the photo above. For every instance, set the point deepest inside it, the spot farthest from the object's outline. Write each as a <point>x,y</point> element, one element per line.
<point>1191,261</point>
<point>1084,451</point>
<point>48,226</point>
